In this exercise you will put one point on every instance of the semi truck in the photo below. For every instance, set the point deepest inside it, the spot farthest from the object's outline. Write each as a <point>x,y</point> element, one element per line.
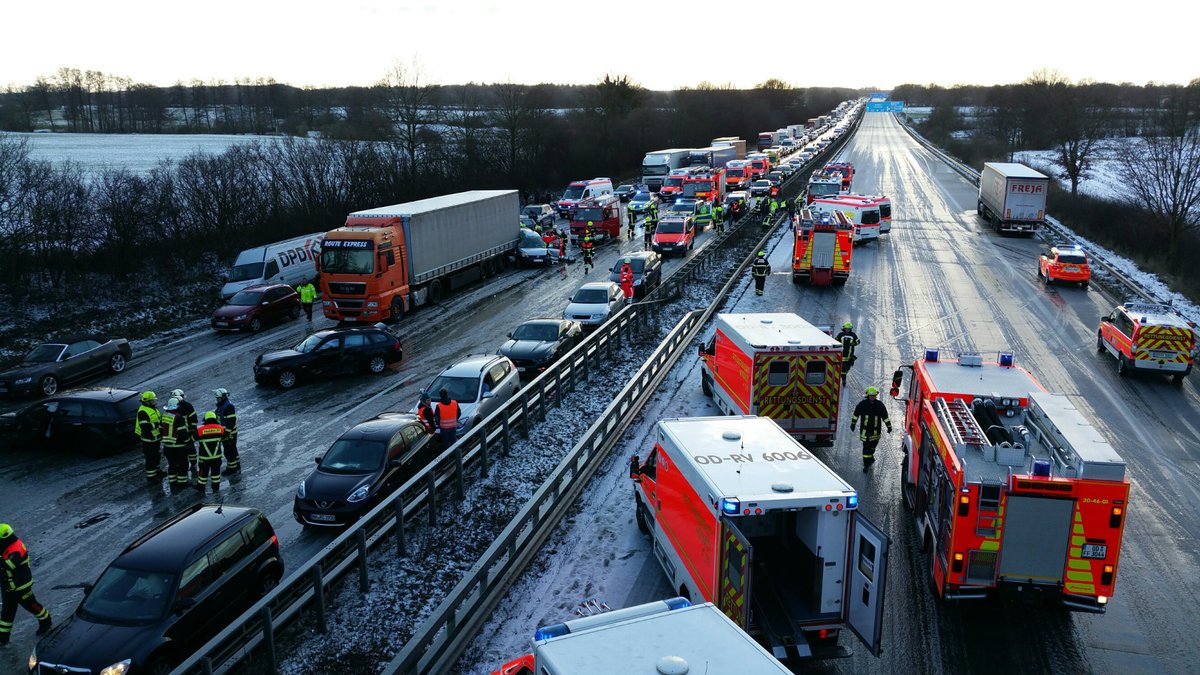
<point>767,139</point>
<point>716,156</point>
<point>738,145</point>
<point>745,517</point>
<point>824,246</point>
<point>657,165</point>
<point>1012,197</point>
<point>387,261</point>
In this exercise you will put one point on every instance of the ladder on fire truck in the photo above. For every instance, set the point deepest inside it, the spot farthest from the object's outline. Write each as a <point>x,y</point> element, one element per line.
<point>959,421</point>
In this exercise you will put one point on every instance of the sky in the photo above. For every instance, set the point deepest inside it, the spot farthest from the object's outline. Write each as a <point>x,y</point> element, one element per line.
<point>856,44</point>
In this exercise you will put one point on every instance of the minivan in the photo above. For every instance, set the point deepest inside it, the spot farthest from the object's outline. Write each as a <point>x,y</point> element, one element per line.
<point>167,594</point>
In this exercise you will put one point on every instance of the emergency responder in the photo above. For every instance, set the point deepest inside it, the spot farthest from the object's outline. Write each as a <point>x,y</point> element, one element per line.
<point>791,208</point>
<point>588,249</point>
<point>632,226</point>
<point>761,206</point>
<point>760,270</point>
<point>849,340</point>
<point>447,413</point>
<point>703,215</point>
<point>176,438</point>
<point>587,229</point>
<point>874,415</point>
<point>719,218</point>
<point>147,428</point>
<point>772,209</point>
<point>308,293</point>
<point>16,585</point>
<point>212,436</point>
<point>627,279</point>
<point>425,414</point>
<point>188,412</point>
<point>651,226</point>
<point>227,416</point>
<point>562,246</point>
<point>652,210</point>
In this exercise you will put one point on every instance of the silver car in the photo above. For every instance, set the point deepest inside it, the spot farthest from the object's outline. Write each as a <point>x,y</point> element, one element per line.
<point>480,385</point>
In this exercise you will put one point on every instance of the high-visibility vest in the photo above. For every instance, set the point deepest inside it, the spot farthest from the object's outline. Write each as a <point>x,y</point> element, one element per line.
<point>307,293</point>
<point>210,436</point>
<point>448,414</point>
<point>17,574</point>
<point>174,430</point>
<point>146,427</point>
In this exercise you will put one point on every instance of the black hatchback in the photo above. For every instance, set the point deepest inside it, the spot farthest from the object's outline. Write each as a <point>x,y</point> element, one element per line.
<point>167,594</point>
<point>364,465</point>
<point>330,352</point>
<point>95,422</point>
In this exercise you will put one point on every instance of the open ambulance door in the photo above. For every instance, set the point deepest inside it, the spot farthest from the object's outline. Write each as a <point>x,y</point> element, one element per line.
<point>863,609</point>
<point>733,570</point>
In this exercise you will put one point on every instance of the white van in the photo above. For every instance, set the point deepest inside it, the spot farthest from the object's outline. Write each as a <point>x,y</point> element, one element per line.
<point>289,262</point>
<point>580,190</point>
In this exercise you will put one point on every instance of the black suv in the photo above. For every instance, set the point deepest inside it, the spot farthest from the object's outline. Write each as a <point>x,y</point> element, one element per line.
<point>330,352</point>
<point>364,465</point>
<point>167,594</point>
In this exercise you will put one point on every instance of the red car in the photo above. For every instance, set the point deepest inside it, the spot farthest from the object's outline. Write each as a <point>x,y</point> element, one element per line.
<point>254,307</point>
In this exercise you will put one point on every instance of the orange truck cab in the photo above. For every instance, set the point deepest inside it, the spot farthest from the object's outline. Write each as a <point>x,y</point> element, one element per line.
<point>709,185</point>
<point>776,365</point>
<point>737,174</point>
<point>760,165</point>
<point>1065,262</point>
<point>672,187</point>
<point>604,213</point>
<point>1151,337</point>
<point>824,244</point>
<point>674,234</point>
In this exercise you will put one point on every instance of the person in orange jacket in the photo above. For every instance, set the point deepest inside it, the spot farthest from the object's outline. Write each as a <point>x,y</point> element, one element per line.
<point>627,279</point>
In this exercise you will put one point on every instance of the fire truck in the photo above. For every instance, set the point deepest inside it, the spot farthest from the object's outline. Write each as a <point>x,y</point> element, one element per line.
<point>708,184</point>
<point>1010,486</point>
<point>743,516</point>
<point>847,171</point>
<point>864,214</point>
<point>641,639</point>
<point>737,174</point>
<point>822,184</point>
<point>604,213</point>
<point>776,365</point>
<point>824,244</point>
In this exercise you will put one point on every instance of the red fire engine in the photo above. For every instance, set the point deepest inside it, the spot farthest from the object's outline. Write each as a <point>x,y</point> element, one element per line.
<point>708,184</point>
<point>824,244</point>
<point>604,213</point>
<point>1011,487</point>
<point>847,171</point>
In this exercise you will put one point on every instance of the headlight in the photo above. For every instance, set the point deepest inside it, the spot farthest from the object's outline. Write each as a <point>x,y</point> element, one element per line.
<point>359,494</point>
<point>327,303</point>
<point>372,304</point>
<point>23,380</point>
<point>33,659</point>
<point>240,317</point>
<point>300,491</point>
<point>115,669</point>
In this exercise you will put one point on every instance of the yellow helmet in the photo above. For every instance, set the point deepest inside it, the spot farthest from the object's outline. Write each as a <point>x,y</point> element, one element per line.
<point>148,396</point>
<point>872,391</point>
<point>6,531</point>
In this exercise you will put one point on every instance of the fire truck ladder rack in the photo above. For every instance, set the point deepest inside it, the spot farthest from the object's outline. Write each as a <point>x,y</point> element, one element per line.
<point>958,421</point>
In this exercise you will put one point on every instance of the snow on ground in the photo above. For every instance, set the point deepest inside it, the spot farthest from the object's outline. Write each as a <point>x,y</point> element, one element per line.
<point>138,153</point>
<point>1103,180</point>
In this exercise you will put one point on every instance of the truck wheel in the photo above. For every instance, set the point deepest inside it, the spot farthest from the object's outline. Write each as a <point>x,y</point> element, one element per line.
<point>1122,365</point>
<point>979,208</point>
<point>435,291</point>
<point>286,378</point>
<point>1039,272</point>
<point>49,385</point>
<point>117,363</point>
<point>705,386</point>
<point>1177,379</point>
<point>1083,284</point>
<point>395,310</point>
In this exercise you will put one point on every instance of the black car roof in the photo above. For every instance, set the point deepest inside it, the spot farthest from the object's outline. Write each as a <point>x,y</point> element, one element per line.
<point>168,547</point>
<point>350,329</point>
<point>379,428</point>
<point>68,339</point>
<point>109,394</point>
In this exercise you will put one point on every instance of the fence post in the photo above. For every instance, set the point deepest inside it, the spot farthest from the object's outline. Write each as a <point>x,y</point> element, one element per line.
<point>401,545</point>
<point>483,454</point>
<point>268,638</point>
<point>507,436</point>
<point>206,665</point>
<point>319,598</point>
<point>432,500</point>
<point>558,388</point>
<point>364,584</point>
<point>525,417</point>
<point>458,472</point>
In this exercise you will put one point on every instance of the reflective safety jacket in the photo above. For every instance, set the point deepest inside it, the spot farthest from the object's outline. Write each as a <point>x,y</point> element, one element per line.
<point>175,433</point>
<point>188,412</point>
<point>447,414</point>
<point>425,414</point>
<point>228,417</point>
<point>18,575</point>
<point>210,436</point>
<point>307,293</point>
<point>849,340</point>
<point>874,415</point>
<point>146,428</point>
<point>761,268</point>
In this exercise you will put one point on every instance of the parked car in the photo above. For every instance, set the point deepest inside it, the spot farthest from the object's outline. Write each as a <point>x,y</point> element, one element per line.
<point>625,191</point>
<point>684,206</point>
<point>737,202</point>
<point>330,352</point>
<point>254,307</point>
<point>50,365</point>
<point>167,594</point>
<point>532,250</point>
<point>480,385</point>
<point>1065,262</point>
<point>760,188</point>
<point>539,214</point>
<point>674,234</point>
<point>364,465</point>
<point>641,200</point>
<point>776,178</point>
<point>786,170</point>
<point>594,302</point>
<point>647,271</point>
<point>92,421</point>
<point>536,344</point>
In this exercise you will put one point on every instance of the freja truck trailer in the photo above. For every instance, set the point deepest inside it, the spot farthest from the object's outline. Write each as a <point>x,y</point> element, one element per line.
<point>387,261</point>
<point>1012,197</point>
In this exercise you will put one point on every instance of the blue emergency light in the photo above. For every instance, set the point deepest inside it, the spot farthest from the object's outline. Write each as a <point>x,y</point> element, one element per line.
<point>1041,468</point>
<point>931,355</point>
<point>1006,359</point>
<point>677,603</point>
<point>551,631</point>
<point>730,506</point>
<point>852,502</point>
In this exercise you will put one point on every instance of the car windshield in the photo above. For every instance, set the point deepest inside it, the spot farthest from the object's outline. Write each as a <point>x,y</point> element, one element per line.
<point>44,353</point>
<point>538,332</point>
<point>353,455</point>
<point>592,214</point>
<point>128,597</point>
<point>593,296</point>
<point>461,389</point>
<point>347,260</point>
<point>625,188</point>
<point>821,189</point>
<point>683,207</point>
<point>310,343</point>
<point>246,298</point>
<point>573,193</point>
<point>762,183</point>
<point>735,173</point>
<point>641,197</point>
<point>673,181</point>
<point>531,239</point>
<point>532,211</point>
<point>1072,259</point>
<point>246,272</point>
<point>670,227</point>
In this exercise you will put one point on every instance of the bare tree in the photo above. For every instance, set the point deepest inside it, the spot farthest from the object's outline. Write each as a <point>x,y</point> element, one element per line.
<point>1072,120</point>
<point>411,102</point>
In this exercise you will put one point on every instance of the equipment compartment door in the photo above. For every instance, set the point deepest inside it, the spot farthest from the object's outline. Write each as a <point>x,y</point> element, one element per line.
<point>1037,533</point>
<point>734,565</point>
<point>867,572</point>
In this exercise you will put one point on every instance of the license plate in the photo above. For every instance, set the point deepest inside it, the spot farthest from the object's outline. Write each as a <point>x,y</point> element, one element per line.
<point>520,369</point>
<point>1071,268</point>
<point>1095,551</point>
<point>1166,356</point>
<point>323,517</point>
<point>222,323</point>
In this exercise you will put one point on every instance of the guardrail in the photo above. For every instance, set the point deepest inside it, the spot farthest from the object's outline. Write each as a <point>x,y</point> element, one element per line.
<point>489,441</point>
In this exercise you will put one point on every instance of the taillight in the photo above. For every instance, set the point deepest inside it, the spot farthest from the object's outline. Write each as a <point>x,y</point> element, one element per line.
<point>1106,576</point>
<point>1114,520</point>
<point>275,541</point>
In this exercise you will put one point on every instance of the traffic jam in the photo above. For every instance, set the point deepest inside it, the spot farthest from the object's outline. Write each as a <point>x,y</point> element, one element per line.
<point>1011,487</point>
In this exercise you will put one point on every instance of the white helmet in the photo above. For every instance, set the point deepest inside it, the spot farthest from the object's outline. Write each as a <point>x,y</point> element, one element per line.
<point>177,393</point>
<point>221,392</point>
<point>172,403</point>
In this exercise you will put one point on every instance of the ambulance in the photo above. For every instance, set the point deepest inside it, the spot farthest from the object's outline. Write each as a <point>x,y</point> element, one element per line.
<point>885,208</point>
<point>864,214</point>
<point>1010,486</point>
<point>743,516</point>
<point>776,365</point>
<point>1147,336</point>
<point>667,636</point>
<point>823,247</point>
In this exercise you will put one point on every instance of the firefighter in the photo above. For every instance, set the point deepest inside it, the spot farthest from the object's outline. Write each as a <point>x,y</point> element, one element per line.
<point>632,224</point>
<point>188,412</point>
<point>760,270</point>
<point>308,293</point>
<point>649,228</point>
<point>588,251</point>
<point>587,229</point>
<point>212,437</point>
<point>703,215</point>
<point>147,429</point>
<point>176,437</point>
<point>627,279</point>
<point>791,208</point>
<point>719,218</point>
<point>16,585</point>
<point>849,340</point>
<point>227,415</point>
<point>772,209</point>
<point>447,414</point>
<point>761,206</point>
<point>425,413</point>
<point>874,415</point>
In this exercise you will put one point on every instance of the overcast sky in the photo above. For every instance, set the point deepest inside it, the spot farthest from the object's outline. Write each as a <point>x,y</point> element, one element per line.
<point>659,44</point>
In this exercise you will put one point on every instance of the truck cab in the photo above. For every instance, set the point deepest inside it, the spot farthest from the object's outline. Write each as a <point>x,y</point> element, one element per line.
<point>604,213</point>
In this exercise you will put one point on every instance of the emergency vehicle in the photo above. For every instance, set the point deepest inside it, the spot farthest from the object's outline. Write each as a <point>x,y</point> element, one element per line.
<point>745,517</point>
<point>1148,336</point>
<point>737,174</point>
<point>644,638</point>
<point>847,171</point>
<point>760,165</point>
<point>822,185</point>
<point>603,212</point>
<point>672,186</point>
<point>863,214</point>
<point>824,245</point>
<point>707,184</point>
<point>885,208</point>
<point>580,190</point>
<point>776,365</point>
<point>1011,488</point>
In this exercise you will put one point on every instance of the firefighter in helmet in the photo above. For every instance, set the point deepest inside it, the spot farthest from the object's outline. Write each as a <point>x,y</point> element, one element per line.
<point>850,341</point>
<point>760,270</point>
<point>16,585</point>
<point>873,415</point>
<point>147,428</point>
<point>589,250</point>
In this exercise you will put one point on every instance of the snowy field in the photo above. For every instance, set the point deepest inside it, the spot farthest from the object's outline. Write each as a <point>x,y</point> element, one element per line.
<point>1102,180</point>
<point>139,153</point>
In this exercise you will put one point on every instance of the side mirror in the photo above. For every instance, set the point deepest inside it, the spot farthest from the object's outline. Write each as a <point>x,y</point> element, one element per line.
<point>510,335</point>
<point>1105,319</point>
<point>635,468</point>
<point>489,394</point>
<point>266,302</point>
<point>318,458</point>
<point>87,589</point>
<point>184,604</point>
<point>395,462</point>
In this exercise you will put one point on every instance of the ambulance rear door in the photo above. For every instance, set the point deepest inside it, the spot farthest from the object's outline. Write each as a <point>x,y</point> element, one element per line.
<point>733,574</point>
<point>867,576</point>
